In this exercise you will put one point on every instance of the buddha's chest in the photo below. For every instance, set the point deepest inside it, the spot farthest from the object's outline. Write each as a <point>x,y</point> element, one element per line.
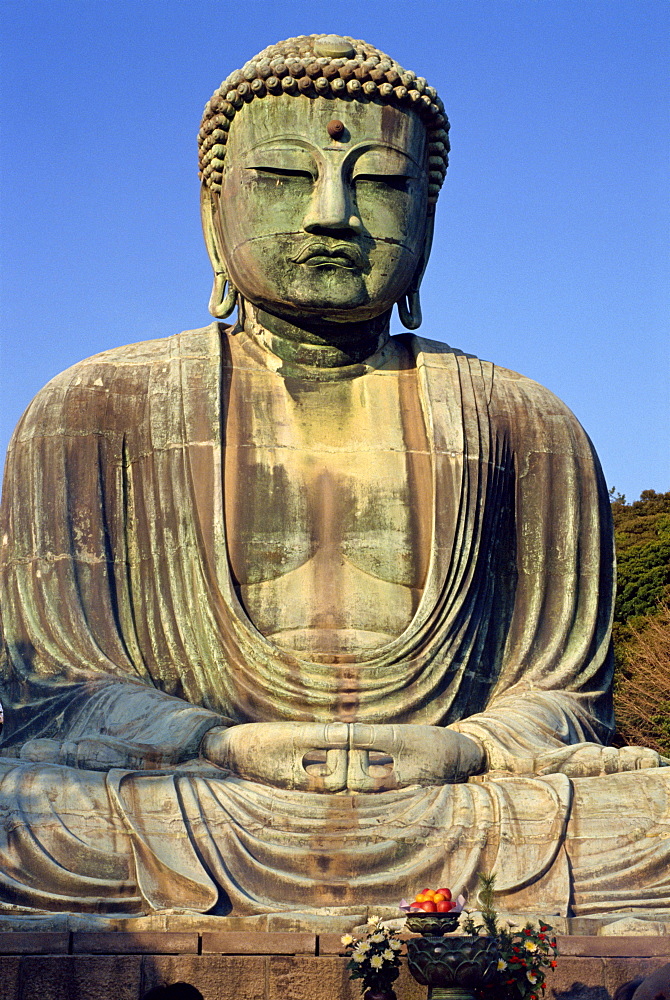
<point>327,489</point>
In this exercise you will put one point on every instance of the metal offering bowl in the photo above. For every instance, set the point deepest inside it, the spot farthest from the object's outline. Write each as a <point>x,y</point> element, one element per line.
<point>432,924</point>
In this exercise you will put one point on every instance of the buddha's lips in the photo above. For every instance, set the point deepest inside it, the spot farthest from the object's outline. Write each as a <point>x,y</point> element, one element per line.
<point>315,254</point>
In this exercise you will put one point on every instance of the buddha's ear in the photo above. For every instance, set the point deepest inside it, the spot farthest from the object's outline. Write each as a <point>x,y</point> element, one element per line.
<point>223,299</point>
<point>409,306</point>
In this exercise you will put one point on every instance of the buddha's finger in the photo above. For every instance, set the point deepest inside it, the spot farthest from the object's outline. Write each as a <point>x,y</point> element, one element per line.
<point>335,778</point>
<point>365,776</point>
<point>41,751</point>
<point>327,775</point>
<point>638,759</point>
<point>383,738</point>
<point>358,774</point>
<point>319,736</point>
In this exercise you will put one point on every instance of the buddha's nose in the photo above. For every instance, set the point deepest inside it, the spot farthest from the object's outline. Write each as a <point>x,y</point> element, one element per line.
<point>333,207</point>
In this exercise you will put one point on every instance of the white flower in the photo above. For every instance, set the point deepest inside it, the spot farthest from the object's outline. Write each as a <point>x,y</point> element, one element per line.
<point>388,955</point>
<point>395,944</point>
<point>358,954</point>
<point>530,945</point>
<point>347,939</point>
<point>378,937</point>
<point>376,961</point>
<point>374,919</point>
<point>363,946</point>
<point>531,977</point>
<point>502,964</point>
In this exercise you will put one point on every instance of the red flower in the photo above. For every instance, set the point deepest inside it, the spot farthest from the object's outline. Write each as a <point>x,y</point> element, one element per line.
<point>553,964</point>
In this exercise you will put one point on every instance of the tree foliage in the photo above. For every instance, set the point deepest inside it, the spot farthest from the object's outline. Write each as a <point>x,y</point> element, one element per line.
<point>642,537</point>
<point>642,620</point>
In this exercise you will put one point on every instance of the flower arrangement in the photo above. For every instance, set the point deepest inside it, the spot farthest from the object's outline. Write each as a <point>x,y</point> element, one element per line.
<point>374,957</point>
<point>525,953</point>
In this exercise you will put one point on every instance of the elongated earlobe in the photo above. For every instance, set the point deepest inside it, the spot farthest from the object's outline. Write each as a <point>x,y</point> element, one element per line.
<point>409,309</point>
<point>409,306</point>
<point>223,299</point>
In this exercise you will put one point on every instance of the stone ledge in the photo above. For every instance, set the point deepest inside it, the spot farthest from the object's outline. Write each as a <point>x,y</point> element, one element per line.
<point>258,943</point>
<point>272,943</point>
<point>34,943</point>
<point>605,947</point>
<point>138,943</point>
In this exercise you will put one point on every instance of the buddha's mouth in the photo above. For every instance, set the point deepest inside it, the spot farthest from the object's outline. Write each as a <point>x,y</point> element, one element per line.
<point>319,254</point>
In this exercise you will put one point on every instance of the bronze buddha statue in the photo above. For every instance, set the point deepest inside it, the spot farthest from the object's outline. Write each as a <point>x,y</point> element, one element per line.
<point>297,614</point>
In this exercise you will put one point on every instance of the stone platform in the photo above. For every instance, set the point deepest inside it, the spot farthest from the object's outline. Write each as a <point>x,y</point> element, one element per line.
<point>237,965</point>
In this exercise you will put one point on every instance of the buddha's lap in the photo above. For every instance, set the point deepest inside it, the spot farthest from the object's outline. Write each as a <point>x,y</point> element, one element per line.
<point>609,815</point>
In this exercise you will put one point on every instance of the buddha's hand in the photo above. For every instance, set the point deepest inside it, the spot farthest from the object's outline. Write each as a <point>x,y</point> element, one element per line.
<point>590,760</point>
<point>303,755</point>
<point>339,757</point>
<point>419,755</point>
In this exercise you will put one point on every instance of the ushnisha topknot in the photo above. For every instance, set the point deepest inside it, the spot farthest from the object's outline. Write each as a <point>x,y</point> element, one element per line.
<point>330,65</point>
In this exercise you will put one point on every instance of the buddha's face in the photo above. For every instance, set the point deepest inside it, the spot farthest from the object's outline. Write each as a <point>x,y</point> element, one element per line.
<point>329,224</point>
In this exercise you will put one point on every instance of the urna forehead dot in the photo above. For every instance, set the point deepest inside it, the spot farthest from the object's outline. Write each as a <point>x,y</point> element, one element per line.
<point>334,46</point>
<point>335,128</point>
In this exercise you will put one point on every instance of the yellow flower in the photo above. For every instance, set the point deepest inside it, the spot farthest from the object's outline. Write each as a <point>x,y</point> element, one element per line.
<point>502,964</point>
<point>530,945</point>
<point>347,939</point>
<point>363,946</point>
<point>358,954</point>
<point>376,961</point>
<point>374,919</point>
<point>378,937</point>
<point>388,955</point>
<point>395,944</point>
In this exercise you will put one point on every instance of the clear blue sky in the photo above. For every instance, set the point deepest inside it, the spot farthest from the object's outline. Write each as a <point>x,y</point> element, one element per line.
<point>551,255</point>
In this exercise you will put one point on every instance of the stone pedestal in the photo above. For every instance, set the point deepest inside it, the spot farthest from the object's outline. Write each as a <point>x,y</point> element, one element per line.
<point>229,965</point>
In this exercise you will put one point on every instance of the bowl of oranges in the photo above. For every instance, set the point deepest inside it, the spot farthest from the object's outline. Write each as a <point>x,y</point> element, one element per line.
<point>433,912</point>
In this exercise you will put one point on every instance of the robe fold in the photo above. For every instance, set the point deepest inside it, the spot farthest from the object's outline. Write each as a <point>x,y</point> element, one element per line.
<point>125,641</point>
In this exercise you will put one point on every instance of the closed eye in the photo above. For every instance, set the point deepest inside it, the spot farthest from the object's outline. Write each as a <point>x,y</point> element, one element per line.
<point>282,172</point>
<point>398,182</point>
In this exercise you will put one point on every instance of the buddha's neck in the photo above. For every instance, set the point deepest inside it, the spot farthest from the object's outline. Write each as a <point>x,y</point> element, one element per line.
<point>317,345</point>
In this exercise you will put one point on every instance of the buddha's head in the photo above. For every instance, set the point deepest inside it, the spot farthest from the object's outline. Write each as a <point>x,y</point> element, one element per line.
<point>321,162</point>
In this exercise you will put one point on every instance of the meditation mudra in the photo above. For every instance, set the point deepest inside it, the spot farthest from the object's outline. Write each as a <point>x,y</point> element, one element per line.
<point>298,615</point>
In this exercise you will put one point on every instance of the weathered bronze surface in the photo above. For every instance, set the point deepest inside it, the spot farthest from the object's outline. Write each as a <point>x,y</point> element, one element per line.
<point>299,616</point>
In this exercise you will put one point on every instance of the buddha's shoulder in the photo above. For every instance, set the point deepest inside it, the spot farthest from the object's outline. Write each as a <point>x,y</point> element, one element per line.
<point>115,380</point>
<point>495,380</point>
<point>134,363</point>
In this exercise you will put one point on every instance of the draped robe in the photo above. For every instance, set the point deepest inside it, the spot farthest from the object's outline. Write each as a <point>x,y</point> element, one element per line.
<point>123,629</point>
